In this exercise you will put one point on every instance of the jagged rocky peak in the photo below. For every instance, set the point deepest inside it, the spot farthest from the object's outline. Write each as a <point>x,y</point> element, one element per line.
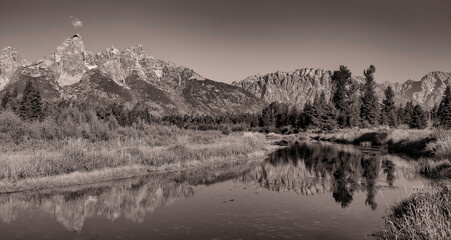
<point>11,54</point>
<point>10,61</point>
<point>70,58</point>
<point>429,90</point>
<point>110,53</point>
<point>130,58</point>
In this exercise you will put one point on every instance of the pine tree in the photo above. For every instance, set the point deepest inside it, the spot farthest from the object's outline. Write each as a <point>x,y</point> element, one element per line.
<point>9,100</point>
<point>444,110</point>
<point>282,115</point>
<point>340,98</point>
<point>388,113</point>
<point>408,112</point>
<point>400,114</point>
<point>326,114</point>
<point>353,109</point>
<point>434,114</point>
<point>369,110</point>
<point>293,116</point>
<point>268,116</point>
<point>306,117</point>
<point>419,118</point>
<point>30,107</point>
<point>6,98</point>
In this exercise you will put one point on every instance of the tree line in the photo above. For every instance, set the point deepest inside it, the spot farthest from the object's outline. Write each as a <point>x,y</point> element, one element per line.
<point>350,105</point>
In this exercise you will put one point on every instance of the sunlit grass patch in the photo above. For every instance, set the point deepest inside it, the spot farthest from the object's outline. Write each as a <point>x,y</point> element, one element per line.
<point>441,147</point>
<point>82,155</point>
<point>426,214</point>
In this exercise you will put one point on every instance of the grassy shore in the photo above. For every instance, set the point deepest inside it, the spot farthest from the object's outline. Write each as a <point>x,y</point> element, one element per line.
<point>416,143</point>
<point>79,161</point>
<point>426,214</point>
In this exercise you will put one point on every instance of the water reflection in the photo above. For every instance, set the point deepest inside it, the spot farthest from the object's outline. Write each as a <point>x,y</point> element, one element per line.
<point>311,168</point>
<point>131,199</point>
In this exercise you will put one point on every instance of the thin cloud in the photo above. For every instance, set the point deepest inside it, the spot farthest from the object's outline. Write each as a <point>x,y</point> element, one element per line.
<point>76,22</point>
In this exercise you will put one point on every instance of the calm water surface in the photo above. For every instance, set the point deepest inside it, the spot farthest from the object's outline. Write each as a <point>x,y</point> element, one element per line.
<point>306,191</point>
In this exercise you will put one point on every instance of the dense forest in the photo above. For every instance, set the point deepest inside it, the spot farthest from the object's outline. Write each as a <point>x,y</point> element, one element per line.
<point>351,105</point>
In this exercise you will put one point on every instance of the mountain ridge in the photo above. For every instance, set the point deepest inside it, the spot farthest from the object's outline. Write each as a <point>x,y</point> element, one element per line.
<point>284,86</point>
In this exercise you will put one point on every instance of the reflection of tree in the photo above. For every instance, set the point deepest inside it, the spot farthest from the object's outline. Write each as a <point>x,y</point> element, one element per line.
<point>342,191</point>
<point>370,174</point>
<point>315,168</point>
<point>389,168</point>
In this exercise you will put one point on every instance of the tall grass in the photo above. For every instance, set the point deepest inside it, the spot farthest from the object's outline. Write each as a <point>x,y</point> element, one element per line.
<point>76,154</point>
<point>439,169</point>
<point>413,142</point>
<point>441,147</point>
<point>426,214</point>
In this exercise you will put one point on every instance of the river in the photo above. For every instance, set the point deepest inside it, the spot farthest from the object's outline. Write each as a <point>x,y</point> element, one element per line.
<point>309,190</point>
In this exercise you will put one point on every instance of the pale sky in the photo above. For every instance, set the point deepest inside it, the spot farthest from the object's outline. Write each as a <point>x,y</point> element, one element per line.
<point>227,40</point>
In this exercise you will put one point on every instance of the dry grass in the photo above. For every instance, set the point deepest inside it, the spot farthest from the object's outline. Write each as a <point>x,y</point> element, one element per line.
<point>437,170</point>
<point>345,135</point>
<point>78,155</point>
<point>441,147</point>
<point>426,214</point>
<point>413,142</point>
<point>357,135</point>
<point>408,135</point>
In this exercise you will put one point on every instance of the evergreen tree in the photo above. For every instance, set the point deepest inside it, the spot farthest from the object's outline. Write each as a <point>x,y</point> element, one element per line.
<point>408,112</point>
<point>419,118</point>
<point>268,116</point>
<point>341,79</point>
<point>282,115</point>
<point>369,110</point>
<point>325,113</point>
<point>434,114</point>
<point>388,113</point>
<point>30,107</point>
<point>293,116</point>
<point>352,113</point>
<point>444,110</point>
<point>400,114</point>
<point>306,118</point>
<point>6,98</point>
<point>9,100</point>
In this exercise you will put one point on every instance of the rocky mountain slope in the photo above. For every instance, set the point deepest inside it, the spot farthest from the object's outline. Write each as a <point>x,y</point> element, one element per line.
<point>10,61</point>
<point>128,76</point>
<point>302,85</point>
<point>429,90</point>
<point>296,87</point>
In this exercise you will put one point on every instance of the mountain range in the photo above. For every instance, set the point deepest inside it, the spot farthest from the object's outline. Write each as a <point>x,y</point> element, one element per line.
<point>128,76</point>
<point>131,76</point>
<point>303,85</point>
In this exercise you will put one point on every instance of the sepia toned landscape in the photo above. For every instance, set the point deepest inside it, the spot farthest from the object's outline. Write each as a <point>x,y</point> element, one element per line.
<point>345,135</point>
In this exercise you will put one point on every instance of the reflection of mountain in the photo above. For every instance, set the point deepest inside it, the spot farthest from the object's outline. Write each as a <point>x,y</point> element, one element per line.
<point>320,168</point>
<point>131,199</point>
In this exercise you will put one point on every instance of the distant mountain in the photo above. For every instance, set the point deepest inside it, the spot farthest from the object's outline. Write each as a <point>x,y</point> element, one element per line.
<point>429,90</point>
<point>302,85</point>
<point>296,87</point>
<point>128,76</point>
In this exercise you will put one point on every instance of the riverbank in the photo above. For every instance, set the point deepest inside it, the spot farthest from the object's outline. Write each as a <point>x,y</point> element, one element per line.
<point>78,161</point>
<point>415,143</point>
